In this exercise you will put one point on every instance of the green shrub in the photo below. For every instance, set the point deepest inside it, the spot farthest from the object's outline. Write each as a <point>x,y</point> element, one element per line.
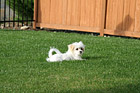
<point>22,7</point>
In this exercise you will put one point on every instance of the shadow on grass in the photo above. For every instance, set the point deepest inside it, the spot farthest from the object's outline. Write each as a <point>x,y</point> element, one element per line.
<point>94,57</point>
<point>130,88</point>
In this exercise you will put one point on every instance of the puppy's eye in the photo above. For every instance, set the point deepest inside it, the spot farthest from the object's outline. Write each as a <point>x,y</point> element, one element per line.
<point>82,49</point>
<point>76,48</point>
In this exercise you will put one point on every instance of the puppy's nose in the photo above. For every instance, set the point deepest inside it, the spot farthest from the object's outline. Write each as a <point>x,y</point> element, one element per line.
<point>80,52</point>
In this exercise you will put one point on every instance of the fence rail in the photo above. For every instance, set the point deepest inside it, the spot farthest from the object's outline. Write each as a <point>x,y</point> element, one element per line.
<point>16,12</point>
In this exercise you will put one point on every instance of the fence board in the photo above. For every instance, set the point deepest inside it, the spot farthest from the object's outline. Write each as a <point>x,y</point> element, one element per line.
<point>35,14</point>
<point>109,14</point>
<point>137,19</point>
<point>56,12</point>
<point>132,15</point>
<point>98,13</point>
<point>73,13</point>
<point>85,12</point>
<point>113,19</point>
<point>120,10</point>
<point>114,13</point>
<point>44,14</point>
<point>65,4</point>
<point>126,15</point>
<point>102,22</point>
<point>92,13</point>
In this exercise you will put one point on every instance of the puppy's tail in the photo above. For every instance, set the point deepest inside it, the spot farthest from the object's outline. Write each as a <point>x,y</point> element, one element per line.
<point>53,50</point>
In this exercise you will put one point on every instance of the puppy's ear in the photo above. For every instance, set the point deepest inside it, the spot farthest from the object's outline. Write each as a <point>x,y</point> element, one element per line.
<point>81,43</point>
<point>71,47</point>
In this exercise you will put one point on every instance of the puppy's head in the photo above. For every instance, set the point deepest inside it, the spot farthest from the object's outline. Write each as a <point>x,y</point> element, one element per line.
<point>77,48</point>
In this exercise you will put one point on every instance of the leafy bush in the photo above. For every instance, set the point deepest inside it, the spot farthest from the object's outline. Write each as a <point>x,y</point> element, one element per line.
<point>22,7</point>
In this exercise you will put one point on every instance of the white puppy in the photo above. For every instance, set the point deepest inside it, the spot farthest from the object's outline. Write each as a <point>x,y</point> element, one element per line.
<point>75,51</point>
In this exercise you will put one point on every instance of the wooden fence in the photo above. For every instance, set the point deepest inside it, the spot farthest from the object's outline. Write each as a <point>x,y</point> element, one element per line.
<point>113,17</point>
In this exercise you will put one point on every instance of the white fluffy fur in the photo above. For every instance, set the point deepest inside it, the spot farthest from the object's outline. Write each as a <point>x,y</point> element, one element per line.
<point>75,51</point>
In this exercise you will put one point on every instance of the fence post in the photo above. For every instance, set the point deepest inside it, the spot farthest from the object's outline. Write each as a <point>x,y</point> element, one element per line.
<point>103,10</point>
<point>35,14</point>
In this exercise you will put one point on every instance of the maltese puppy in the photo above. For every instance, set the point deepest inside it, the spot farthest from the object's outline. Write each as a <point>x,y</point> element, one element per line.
<point>75,51</point>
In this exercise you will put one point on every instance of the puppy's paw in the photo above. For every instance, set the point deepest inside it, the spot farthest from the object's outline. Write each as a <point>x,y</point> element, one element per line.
<point>83,59</point>
<point>47,59</point>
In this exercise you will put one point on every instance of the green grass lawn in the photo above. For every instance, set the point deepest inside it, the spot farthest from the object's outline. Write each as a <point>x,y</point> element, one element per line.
<point>112,64</point>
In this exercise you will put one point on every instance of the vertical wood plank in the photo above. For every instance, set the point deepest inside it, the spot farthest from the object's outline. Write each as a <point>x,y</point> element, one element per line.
<point>109,15</point>
<point>126,15</point>
<point>137,16</point>
<point>65,7</point>
<point>73,13</point>
<point>103,3</point>
<point>92,14</point>
<point>75,18</point>
<point>114,13</point>
<point>59,13</point>
<point>44,13</point>
<point>56,12</point>
<point>69,10</point>
<point>85,12</point>
<point>35,14</point>
<point>120,10</point>
<point>132,10</point>
<point>98,12</point>
<point>54,5</point>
